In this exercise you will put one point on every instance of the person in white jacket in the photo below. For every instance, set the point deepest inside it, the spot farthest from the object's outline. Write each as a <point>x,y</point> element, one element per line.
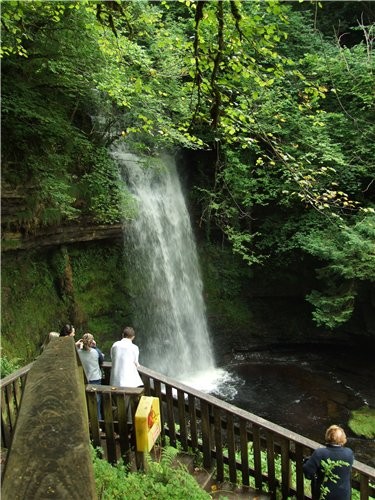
<point>124,355</point>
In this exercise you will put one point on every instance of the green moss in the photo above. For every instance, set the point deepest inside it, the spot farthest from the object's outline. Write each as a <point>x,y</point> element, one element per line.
<point>9,244</point>
<point>37,298</point>
<point>99,277</point>
<point>31,305</point>
<point>362,422</point>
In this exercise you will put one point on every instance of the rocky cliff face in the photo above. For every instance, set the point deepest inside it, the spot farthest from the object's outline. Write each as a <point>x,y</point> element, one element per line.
<point>20,233</point>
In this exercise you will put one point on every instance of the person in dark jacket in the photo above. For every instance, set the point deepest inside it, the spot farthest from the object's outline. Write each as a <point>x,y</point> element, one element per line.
<point>338,481</point>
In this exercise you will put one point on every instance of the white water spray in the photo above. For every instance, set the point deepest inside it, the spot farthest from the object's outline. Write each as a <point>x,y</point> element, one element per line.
<point>169,312</point>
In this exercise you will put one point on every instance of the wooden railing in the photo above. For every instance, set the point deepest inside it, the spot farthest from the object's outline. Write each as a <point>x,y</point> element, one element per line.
<point>116,431</point>
<point>11,388</point>
<point>240,445</point>
<point>226,435</point>
<point>50,455</point>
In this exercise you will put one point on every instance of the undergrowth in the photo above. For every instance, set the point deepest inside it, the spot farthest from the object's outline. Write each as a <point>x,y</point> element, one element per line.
<point>8,366</point>
<point>163,480</point>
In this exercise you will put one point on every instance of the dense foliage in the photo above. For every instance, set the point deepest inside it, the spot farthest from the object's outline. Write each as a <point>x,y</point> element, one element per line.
<point>7,366</point>
<point>285,110</point>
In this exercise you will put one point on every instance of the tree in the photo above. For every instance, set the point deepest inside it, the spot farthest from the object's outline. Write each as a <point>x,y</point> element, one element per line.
<point>295,164</point>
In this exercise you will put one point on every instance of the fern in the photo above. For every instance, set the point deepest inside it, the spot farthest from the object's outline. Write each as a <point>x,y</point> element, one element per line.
<point>8,366</point>
<point>168,455</point>
<point>163,480</point>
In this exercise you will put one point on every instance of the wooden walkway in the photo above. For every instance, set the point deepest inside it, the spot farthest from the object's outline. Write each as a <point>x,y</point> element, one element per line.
<point>225,490</point>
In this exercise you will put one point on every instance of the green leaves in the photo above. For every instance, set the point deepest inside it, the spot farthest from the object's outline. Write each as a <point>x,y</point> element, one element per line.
<point>330,467</point>
<point>294,136</point>
<point>349,255</point>
<point>22,21</point>
<point>332,310</point>
<point>106,199</point>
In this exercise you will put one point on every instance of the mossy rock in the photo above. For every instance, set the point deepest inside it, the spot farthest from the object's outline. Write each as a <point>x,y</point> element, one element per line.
<point>362,422</point>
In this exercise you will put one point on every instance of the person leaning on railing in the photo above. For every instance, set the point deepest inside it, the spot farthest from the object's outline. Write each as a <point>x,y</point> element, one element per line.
<point>92,359</point>
<point>68,330</point>
<point>329,481</point>
<point>50,336</point>
<point>125,361</point>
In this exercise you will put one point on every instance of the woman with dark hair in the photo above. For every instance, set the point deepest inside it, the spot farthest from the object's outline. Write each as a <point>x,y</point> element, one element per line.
<point>336,479</point>
<point>67,330</point>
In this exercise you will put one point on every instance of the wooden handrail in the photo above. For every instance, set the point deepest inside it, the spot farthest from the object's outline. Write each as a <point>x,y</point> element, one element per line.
<point>215,402</point>
<point>50,455</point>
<point>20,373</point>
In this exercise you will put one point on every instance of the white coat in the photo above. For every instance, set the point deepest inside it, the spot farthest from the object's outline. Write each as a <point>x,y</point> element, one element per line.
<point>124,373</point>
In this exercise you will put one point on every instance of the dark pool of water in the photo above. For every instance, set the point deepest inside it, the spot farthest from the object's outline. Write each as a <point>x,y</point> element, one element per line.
<point>306,389</point>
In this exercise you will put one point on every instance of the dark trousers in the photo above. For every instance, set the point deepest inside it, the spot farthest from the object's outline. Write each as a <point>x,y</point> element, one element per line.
<point>98,397</point>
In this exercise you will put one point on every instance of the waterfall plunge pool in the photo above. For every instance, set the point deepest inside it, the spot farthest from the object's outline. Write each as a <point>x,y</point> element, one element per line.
<point>305,389</point>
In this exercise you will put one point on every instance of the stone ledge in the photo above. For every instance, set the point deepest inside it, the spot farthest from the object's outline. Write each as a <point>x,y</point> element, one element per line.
<point>59,235</point>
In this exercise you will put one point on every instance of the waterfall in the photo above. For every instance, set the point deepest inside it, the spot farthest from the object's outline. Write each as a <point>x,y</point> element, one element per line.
<point>165,283</point>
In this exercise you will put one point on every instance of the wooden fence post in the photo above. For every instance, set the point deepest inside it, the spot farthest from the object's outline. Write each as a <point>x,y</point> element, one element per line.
<point>50,455</point>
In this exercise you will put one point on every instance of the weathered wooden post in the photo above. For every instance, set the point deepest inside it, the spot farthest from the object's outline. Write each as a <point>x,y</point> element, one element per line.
<point>50,455</point>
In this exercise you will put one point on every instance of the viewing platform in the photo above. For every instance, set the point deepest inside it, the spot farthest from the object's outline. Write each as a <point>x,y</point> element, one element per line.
<point>49,417</point>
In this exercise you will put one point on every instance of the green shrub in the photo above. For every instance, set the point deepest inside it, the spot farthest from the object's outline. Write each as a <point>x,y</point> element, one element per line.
<point>8,366</point>
<point>163,480</point>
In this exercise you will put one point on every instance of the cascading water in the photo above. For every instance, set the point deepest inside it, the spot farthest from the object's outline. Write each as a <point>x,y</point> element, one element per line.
<point>169,312</point>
